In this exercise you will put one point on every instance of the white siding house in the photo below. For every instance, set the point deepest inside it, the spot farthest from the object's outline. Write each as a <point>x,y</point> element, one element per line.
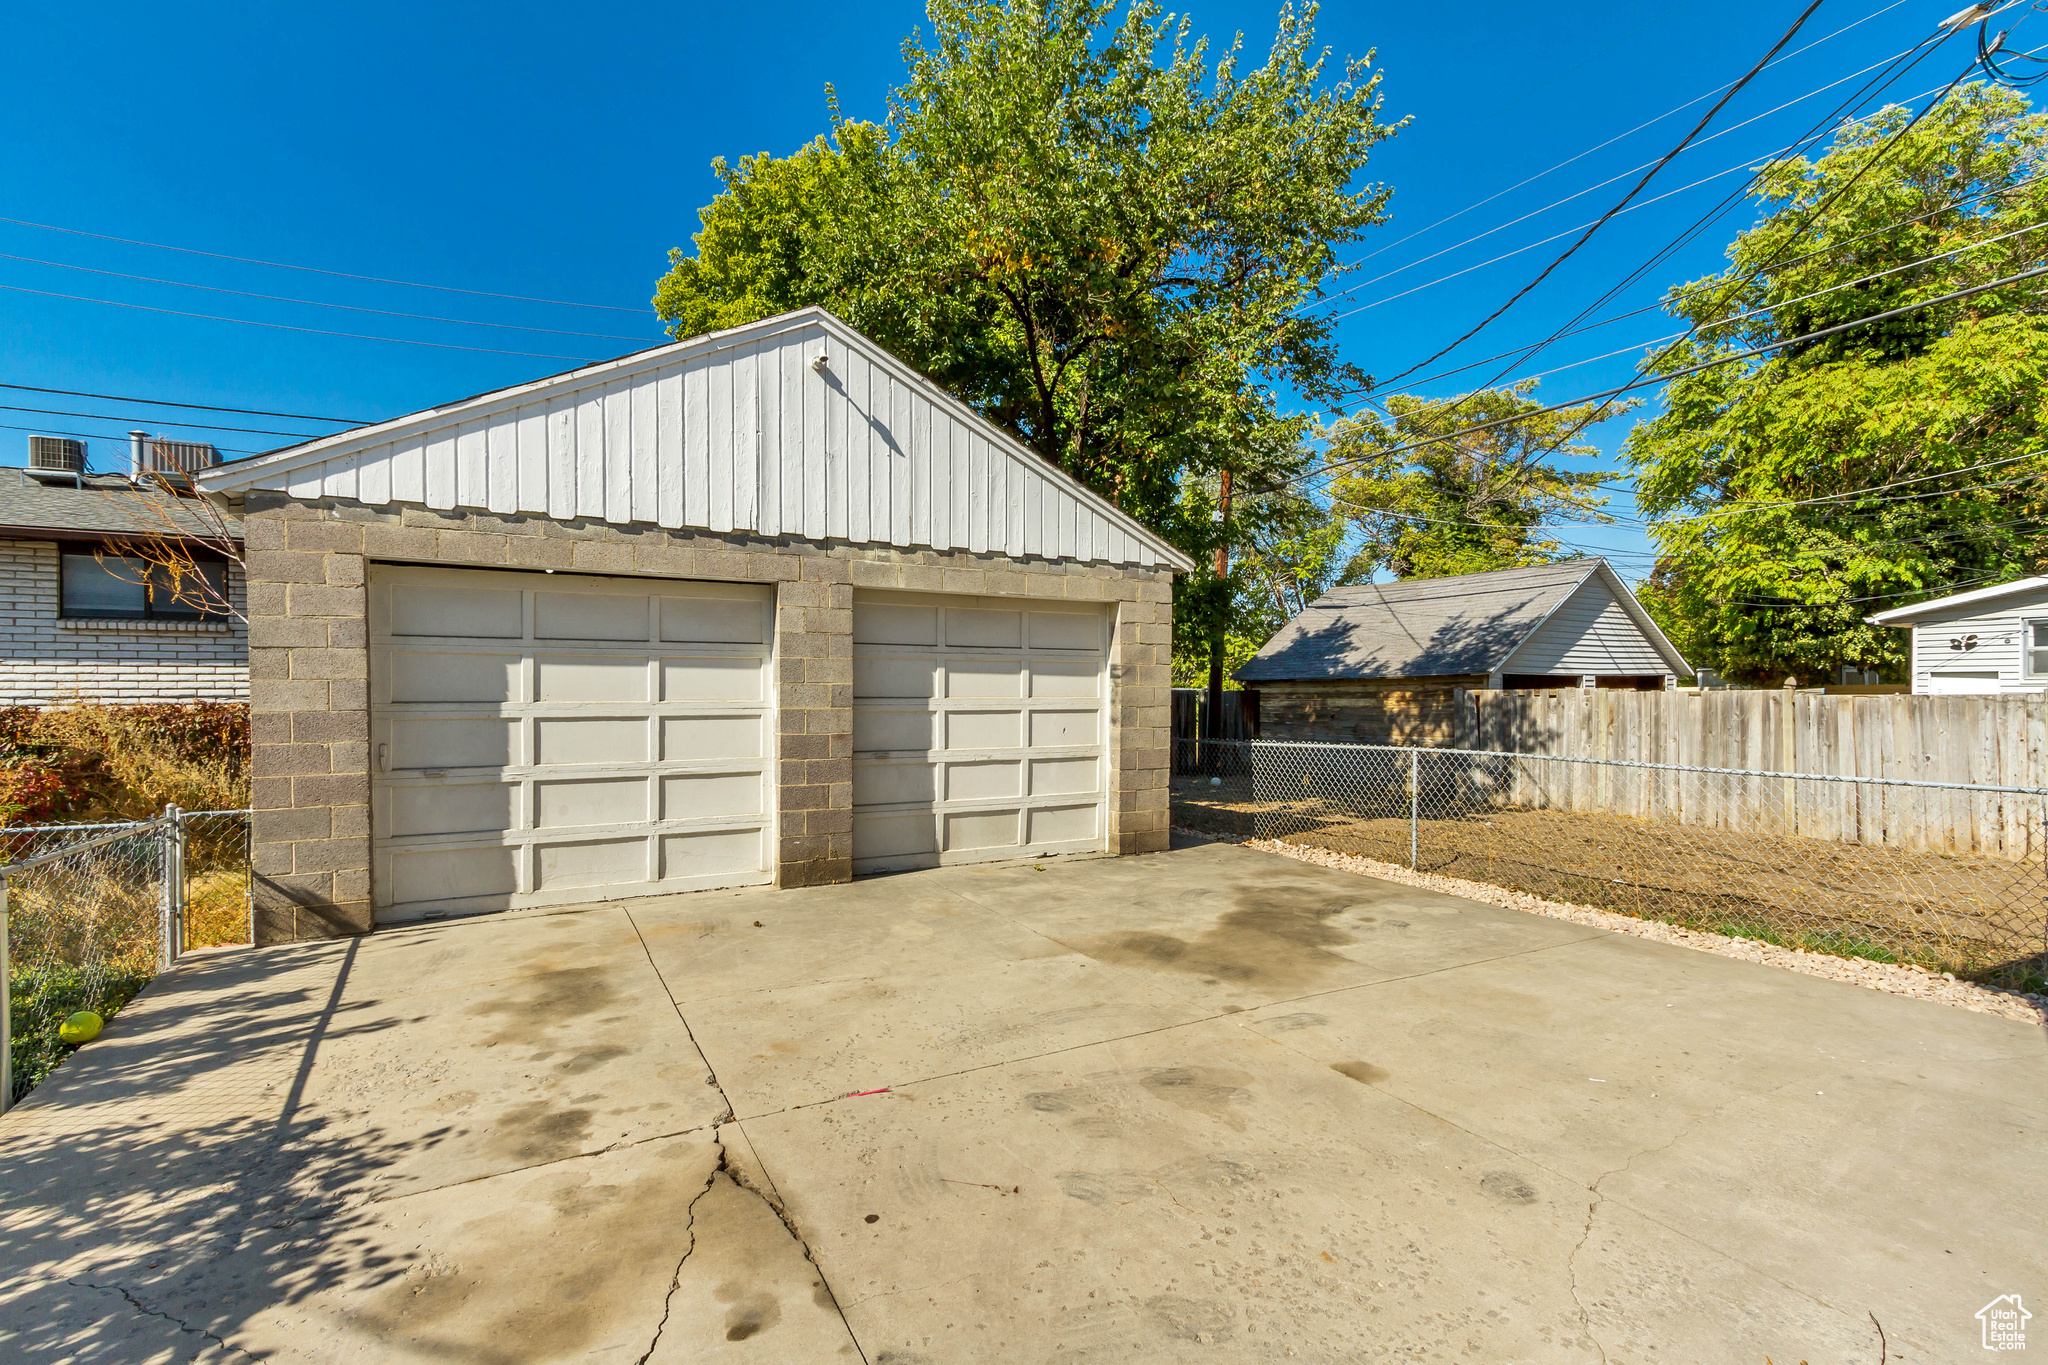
<point>1591,634</point>
<point>1985,641</point>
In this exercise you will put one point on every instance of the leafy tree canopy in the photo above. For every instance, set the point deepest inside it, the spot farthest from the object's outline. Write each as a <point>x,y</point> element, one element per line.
<point>1474,502</point>
<point>1082,226</point>
<point>1784,518</point>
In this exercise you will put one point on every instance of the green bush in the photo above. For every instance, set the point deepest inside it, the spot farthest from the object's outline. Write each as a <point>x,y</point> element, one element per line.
<point>41,999</point>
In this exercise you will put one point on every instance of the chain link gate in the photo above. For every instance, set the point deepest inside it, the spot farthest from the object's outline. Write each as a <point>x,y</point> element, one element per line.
<point>1948,875</point>
<point>90,913</point>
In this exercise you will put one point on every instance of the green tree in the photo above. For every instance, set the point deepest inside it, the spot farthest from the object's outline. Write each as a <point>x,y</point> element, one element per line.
<point>1784,515</point>
<point>1478,501</point>
<point>1100,239</point>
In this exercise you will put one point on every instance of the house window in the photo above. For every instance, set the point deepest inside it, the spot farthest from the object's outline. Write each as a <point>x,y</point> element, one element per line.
<point>2037,648</point>
<point>121,588</point>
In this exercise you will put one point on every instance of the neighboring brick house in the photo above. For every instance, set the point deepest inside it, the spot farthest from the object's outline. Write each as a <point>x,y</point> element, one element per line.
<point>79,618</point>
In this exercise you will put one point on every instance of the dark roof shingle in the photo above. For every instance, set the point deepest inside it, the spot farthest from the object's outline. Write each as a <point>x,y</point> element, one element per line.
<point>1421,627</point>
<point>107,504</point>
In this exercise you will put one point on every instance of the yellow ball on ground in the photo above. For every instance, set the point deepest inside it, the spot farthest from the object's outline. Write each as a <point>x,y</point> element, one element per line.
<point>81,1027</point>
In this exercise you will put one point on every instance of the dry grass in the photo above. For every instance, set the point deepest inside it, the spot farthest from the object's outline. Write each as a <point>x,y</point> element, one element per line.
<point>143,765</point>
<point>1979,916</point>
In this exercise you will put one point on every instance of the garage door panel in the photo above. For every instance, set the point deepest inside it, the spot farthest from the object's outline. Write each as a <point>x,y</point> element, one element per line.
<point>983,677</point>
<point>612,740</point>
<point>589,616</point>
<point>1065,776</point>
<point>895,835</point>
<point>452,808</point>
<point>948,777</point>
<point>568,741</point>
<point>988,629</point>
<point>1063,729</point>
<point>710,853</point>
<point>588,863</point>
<point>453,874</point>
<point>714,620</point>
<point>568,678</point>
<point>890,676</point>
<point>1065,630</point>
<point>452,743</point>
<point>884,624</point>
<point>462,613</point>
<point>974,831</point>
<point>589,801</point>
<point>880,730</point>
<point>687,737</point>
<point>697,796</point>
<point>1064,678</point>
<point>712,679</point>
<point>1048,825</point>
<point>984,729</point>
<point>890,784</point>
<point>983,781</point>
<point>433,676</point>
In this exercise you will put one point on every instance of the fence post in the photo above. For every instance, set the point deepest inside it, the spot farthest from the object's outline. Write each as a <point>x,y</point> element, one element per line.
<point>171,900</point>
<point>1414,808</point>
<point>6,1008</point>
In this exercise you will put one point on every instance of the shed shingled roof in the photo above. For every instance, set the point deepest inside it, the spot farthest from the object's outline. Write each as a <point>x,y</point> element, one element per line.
<point>106,504</point>
<point>1428,627</point>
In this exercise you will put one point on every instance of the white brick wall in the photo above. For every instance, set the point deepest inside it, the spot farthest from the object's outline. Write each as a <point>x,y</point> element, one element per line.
<point>45,659</point>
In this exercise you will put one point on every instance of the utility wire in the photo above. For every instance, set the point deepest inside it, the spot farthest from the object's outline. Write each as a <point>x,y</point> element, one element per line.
<point>110,417</point>
<point>194,407</point>
<point>1621,203</point>
<point>287,327</point>
<point>1649,379</point>
<point>316,270</point>
<point>315,303</point>
<point>1679,109</point>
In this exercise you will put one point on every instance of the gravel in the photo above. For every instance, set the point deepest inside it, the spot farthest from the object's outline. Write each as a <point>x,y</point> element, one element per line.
<point>1899,979</point>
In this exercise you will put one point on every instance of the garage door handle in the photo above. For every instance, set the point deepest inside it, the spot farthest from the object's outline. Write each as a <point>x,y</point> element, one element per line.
<point>383,758</point>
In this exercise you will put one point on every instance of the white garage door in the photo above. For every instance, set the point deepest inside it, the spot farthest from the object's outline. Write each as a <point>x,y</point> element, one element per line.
<point>545,739</point>
<point>979,729</point>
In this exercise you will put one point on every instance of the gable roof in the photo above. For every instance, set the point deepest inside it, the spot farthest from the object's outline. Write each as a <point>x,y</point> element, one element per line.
<point>1984,597</point>
<point>740,430</point>
<point>1432,627</point>
<point>98,505</point>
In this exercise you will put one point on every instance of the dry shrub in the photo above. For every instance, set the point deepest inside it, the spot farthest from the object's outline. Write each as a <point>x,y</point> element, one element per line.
<point>124,762</point>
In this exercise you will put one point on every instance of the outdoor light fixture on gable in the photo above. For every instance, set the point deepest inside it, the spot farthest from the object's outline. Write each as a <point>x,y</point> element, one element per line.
<point>819,361</point>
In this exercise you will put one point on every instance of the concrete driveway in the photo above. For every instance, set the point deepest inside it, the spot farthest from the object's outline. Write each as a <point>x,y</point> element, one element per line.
<point>1208,1105</point>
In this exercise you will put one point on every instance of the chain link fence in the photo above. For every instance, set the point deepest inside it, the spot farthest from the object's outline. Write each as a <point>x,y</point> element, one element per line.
<point>1948,876</point>
<point>91,913</point>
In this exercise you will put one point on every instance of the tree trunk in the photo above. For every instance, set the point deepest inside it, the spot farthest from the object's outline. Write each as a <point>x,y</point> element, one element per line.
<point>1212,713</point>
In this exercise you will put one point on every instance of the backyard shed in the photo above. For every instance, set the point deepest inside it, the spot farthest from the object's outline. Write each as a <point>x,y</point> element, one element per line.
<point>1985,641</point>
<point>1383,663</point>
<point>765,606</point>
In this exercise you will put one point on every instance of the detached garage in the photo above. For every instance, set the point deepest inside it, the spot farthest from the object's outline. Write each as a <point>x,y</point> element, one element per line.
<point>760,607</point>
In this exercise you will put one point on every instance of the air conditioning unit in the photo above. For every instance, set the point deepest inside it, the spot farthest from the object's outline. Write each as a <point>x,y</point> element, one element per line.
<point>56,455</point>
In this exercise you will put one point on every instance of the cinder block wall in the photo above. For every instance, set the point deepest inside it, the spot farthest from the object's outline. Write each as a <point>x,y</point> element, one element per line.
<point>309,674</point>
<point>47,659</point>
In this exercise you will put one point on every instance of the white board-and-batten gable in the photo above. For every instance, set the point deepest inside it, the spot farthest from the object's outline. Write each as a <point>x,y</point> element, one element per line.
<point>796,425</point>
<point>1594,631</point>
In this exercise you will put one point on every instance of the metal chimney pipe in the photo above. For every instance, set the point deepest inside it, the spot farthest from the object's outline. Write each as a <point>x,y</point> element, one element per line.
<point>135,453</point>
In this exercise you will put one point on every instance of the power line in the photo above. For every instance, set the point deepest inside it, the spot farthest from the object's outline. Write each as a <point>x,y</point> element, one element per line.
<point>316,270</point>
<point>1630,133</point>
<point>287,327</point>
<point>315,303</point>
<point>1646,380</point>
<point>1621,203</point>
<point>1580,194</point>
<point>110,417</point>
<point>195,407</point>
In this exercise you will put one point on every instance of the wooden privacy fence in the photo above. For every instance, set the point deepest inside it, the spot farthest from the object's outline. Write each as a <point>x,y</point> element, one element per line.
<point>1987,741</point>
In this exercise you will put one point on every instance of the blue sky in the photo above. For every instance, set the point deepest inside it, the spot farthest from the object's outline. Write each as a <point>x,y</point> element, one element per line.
<point>557,153</point>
